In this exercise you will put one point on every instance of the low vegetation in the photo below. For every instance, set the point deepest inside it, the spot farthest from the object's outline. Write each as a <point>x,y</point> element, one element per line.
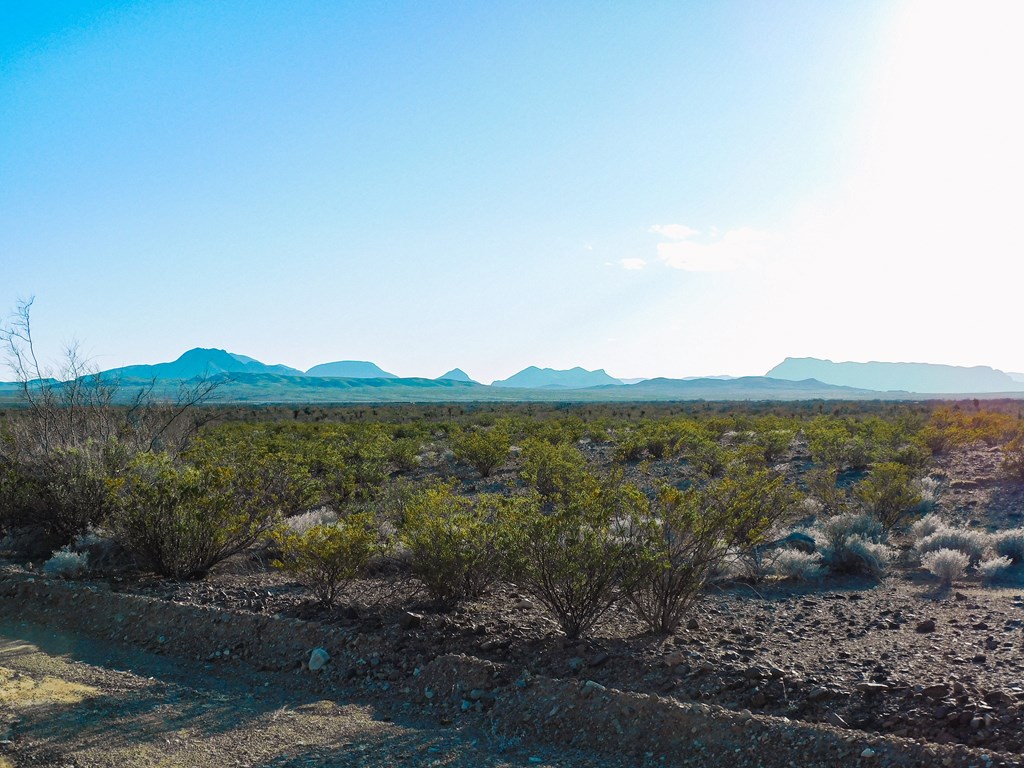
<point>582,508</point>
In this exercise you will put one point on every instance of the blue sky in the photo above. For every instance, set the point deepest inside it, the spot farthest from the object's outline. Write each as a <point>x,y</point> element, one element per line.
<point>665,189</point>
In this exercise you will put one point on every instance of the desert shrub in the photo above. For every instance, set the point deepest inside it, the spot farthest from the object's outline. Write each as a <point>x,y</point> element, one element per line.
<point>583,555</point>
<point>1010,543</point>
<point>67,564</point>
<point>773,443</point>
<point>181,519</point>
<point>102,550</point>
<point>822,486</point>
<point>326,557</point>
<point>864,556</point>
<point>658,440</point>
<point>630,448</point>
<point>67,438</point>
<point>950,428</point>
<point>758,500</point>
<point>552,470</point>
<point>833,443</point>
<point>794,565</point>
<point>928,490</point>
<point>926,526</point>
<point>994,568</point>
<point>973,544</point>
<point>947,565</point>
<point>688,539</point>
<point>854,543</point>
<point>300,524</point>
<point>706,456</point>
<point>888,493</point>
<point>62,491</point>
<point>482,449</point>
<point>456,544</point>
<point>1013,458</point>
<point>404,453</point>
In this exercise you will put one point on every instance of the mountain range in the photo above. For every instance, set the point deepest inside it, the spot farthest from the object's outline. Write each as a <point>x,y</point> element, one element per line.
<point>243,379</point>
<point>899,377</point>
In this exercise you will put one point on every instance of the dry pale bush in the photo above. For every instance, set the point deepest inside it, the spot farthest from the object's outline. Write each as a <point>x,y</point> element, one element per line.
<point>1010,544</point>
<point>947,565</point>
<point>67,564</point>
<point>300,524</point>
<point>994,568</point>
<point>973,544</point>
<point>926,526</point>
<point>794,565</point>
<point>928,489</point>
<point>853,543</point>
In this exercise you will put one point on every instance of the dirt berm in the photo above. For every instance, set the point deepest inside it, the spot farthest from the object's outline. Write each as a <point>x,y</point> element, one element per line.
<point>510,702</point>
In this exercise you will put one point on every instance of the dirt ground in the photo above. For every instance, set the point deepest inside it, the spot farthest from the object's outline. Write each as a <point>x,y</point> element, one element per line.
<point>65,702</point>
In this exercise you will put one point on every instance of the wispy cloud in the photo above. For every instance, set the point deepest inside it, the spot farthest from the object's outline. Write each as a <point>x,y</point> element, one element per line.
<point>717,253</point>
<point>633,264</point>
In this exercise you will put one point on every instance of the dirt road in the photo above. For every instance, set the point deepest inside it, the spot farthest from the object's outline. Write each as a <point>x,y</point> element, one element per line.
<point>66,701</point>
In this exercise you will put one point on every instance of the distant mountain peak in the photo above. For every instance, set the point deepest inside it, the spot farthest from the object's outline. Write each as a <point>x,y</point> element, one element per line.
<point>455,374</point>
<point>350,369</point>
<point>533,377</point>
<point>202,361</point>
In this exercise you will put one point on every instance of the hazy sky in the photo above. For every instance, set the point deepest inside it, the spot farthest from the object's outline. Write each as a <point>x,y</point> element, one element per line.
<point>658,189</point>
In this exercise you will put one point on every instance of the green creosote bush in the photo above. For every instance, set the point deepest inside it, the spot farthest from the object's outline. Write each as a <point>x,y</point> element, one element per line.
<point>834,443</point>
<point>552,470</point>
<point>773,443</point>
<point>63,491</point>
<point>180,519</point>
<point>757,499</point>
<point>889,493</point>
<point>1013,458</point>
<point>483,449</point>
<point>455,544</point>
<point>404,453</point>
<point>823,487</point>
<point>325,558</point>
<point>585,554</point>
<point>631,448</point>
<point>690,532</point>
<point>705,455</point>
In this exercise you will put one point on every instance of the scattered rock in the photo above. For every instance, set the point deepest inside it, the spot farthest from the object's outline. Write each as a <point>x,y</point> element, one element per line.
<point>936,691</point>
<point>317,658</point>
<point>833,718</point>
<point>928,625</point>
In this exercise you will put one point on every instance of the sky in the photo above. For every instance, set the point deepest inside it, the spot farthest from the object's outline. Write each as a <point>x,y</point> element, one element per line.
<point>656,189</point>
